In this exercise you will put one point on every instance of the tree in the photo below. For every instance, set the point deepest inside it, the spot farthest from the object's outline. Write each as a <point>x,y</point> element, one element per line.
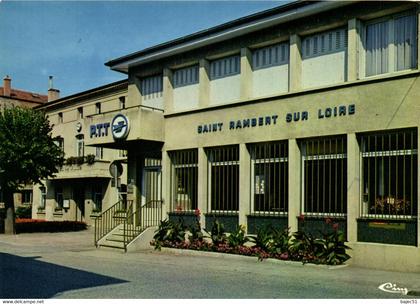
<point>28,154</point>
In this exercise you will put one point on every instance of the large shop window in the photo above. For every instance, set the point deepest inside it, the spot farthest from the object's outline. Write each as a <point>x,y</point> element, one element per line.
<point>184,175</point>
<point>223,179</point>
<point>324,176</point>
<point>269,178</point>
<point>389,180</point>
<point>391,44</point>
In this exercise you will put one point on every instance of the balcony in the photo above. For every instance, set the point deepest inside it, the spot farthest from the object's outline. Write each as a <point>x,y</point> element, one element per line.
<point>79,167</point>
<point>114,128</point>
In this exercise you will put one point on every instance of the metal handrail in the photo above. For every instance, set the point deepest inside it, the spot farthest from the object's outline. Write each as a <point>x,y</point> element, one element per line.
<point>111,218</point>
<point>148,215</point>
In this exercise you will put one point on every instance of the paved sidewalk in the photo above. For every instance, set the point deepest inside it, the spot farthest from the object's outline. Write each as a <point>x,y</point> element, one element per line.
<point>67,265</point>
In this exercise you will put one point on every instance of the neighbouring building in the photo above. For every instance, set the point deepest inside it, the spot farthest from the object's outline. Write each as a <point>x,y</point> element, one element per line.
<point>83,187</point>
<point>310,108</point>
<point>10,97</point>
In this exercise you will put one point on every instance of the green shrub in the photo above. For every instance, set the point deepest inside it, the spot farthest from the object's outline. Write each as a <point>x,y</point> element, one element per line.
<point>237,237</point>
<point>264,238</point>
<point>169,231</point>
<point>28,226</point>
<point>217,234</point>
<point>23,212</point>
<point>331,249</point>
<point>90,159</point>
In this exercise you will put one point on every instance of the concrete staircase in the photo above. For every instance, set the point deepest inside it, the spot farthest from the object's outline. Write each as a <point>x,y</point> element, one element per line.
<point>115,239</point>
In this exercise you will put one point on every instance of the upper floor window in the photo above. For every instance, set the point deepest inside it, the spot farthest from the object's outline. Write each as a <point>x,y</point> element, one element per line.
<point>99,152</point>
<point>60,117</point>
<point>224,67</point>
<point>270,56</point>
<point>185,76</point>
<point>391,44</point>
<point>80,145</point>
<point>98,108</point>
<point>152,85</point>
<point>59,141</point>
<point>80,112</point>
<point>324,43</point>
<point>122,102</point>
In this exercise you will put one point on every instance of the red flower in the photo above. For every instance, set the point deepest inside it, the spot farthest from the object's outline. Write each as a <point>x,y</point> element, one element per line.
<point>335,226</point>
<point>197,212</point>
<point>301,217</point>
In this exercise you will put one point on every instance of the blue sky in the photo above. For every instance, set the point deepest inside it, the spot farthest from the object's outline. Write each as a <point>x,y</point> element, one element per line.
<point>73,40</point>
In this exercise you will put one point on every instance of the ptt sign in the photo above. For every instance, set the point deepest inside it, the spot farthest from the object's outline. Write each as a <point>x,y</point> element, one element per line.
<point>99,130</point>
<point>120,127</point>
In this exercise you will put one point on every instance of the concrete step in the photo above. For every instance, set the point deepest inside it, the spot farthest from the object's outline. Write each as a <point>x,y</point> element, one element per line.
<point>112,244</point>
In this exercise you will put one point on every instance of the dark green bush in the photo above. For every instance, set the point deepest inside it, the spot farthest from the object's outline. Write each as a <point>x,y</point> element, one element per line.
<point>23,212</point>
<point>29,226</point>
<point>237,237</point>
<point>217,234</point>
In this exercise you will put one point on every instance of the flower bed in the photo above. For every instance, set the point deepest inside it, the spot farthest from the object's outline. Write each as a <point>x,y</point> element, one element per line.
<point>268,243</point>
<point>32,225</point>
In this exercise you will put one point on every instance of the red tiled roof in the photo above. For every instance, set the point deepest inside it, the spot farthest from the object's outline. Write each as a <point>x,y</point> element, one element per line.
<point>24,95</point>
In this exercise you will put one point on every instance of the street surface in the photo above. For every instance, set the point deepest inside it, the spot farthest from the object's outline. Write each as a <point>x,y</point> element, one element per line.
<point>67,265</point>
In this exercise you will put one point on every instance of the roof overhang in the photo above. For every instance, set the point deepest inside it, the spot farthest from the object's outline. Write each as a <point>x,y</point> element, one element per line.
<point>230,30</point>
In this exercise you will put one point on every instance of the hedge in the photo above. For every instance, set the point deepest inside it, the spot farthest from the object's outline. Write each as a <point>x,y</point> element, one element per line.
<point>30,225</point>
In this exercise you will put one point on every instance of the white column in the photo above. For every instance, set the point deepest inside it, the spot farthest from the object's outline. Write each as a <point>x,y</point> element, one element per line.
<point>294,161</point>
<point>353,186</point>
<point>295,64</point>
<point>246,74</point>
<point>202,185</point>
<point>166,184</point>
<point>244,183</point>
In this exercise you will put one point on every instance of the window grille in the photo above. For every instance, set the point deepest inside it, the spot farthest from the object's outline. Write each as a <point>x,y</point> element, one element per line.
<point>270,56</point>
<point>324,176</point>
<point>269,178</point>
<point>184,176</point>
<point>152,87</point>
<point>324,43</point>
<point>224,67</point>
<point>398,32</point>
<point>223,165</point>
<point>389,174</point>
<point>185,76</point>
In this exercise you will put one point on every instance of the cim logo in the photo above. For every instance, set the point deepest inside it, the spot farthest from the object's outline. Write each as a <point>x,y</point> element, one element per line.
<point>120,126</point>
<point>393,288</point>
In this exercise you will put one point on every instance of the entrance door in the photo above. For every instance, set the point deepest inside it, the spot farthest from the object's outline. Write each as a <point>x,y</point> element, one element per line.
<point>79,199</point>
<point>152,192</point>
